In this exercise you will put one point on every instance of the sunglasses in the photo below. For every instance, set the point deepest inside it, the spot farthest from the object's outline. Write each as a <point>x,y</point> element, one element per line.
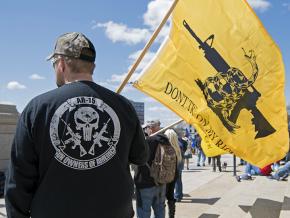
<point>54,61</point>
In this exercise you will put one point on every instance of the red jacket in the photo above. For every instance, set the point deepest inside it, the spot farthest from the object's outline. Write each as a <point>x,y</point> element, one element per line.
<point>266,171</point>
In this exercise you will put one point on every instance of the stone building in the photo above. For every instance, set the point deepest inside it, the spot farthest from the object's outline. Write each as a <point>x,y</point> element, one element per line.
<point>8,121</point>
<point>139,108</point>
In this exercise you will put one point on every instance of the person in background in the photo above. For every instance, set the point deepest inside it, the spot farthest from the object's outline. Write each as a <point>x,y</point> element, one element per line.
<point>178,194</point>
<point>276,166</point>
<point>193,148</point>
<point>209,160</point>
<point>242,162</point>
<point>146,129</point>
<point>173,139</point>
<point>287,157</point>
<point>187,154</point>
<point>185,149</point>
<point>148,193</point>
<point>253,170</point>
<point>282,173</point>
<point>200,154</point>
<point>216,161</point>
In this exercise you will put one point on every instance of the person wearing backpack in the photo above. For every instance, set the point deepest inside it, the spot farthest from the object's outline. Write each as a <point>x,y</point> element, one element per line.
<point>178,194</point>
<point>173,139</point>
<point>150,180</point>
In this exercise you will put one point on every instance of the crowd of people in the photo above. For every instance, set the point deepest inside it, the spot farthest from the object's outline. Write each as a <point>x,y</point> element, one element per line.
<point>186,145</point>
<point>278,171</point>
<point>153,195</point>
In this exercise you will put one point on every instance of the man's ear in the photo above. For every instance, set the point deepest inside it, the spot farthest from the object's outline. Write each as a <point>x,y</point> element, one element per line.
<point>94,66</point>
<point>62,65</point>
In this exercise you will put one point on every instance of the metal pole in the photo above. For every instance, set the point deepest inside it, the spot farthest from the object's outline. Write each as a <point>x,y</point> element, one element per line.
<point>235,165</point>
<point>167,127</point>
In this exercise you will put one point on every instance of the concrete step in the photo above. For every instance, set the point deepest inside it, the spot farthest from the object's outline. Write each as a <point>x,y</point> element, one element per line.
<point>2,208</point>
<point>250,198</point>
<point>205,196</point>
<point>270,197</point>
<point>285,211</point>
<point>231,199</point>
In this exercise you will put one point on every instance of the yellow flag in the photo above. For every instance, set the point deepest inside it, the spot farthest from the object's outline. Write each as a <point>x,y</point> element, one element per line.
<point>221,72</point>
<point>209,149</point>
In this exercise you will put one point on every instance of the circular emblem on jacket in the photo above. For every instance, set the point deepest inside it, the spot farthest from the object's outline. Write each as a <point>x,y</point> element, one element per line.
<point>84,132</point>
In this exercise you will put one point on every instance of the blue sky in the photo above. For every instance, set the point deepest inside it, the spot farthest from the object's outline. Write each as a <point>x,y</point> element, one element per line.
<point>118,29</point>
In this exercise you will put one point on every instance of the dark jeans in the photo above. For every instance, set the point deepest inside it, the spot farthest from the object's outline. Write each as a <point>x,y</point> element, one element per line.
<point>249,171</point>
<point>170,199</point>
<point>216,161</point>
<point>209,160</point>
<point>200,156</point>
<point>151,197</point>
<point>170,191</point>
<point>283,171</point>
<point>178,194</point>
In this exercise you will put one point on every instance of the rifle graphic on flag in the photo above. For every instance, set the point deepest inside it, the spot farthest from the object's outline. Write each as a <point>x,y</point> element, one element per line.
<point>229,98</point>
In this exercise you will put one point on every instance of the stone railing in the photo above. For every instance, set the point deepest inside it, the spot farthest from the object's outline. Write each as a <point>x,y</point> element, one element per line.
<point>8,121</point>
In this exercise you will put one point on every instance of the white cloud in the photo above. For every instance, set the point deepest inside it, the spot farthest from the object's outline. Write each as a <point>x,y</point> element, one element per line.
<point>118,32</point>
<point>121,33</point>
<point>109,85</point>
<point>158,109</point>
<point>101,83</point>
<point>261,5</point>
<point>148,100</point>
<point>145,61</point>
<point>36,77</point>
<point>163,33</point>
<point>169,119</point>
<point>166,116</point>
<point>114,85</point>
<point>115,78</point>
<point>287,5</point>
<point>118,78</point>
<point>156,10</point>
<point>128,89</point>
<point>14,85</point>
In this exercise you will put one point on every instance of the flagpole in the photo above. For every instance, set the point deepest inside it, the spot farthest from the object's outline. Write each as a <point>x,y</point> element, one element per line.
<point>145,49</point>
<point>167,127</point>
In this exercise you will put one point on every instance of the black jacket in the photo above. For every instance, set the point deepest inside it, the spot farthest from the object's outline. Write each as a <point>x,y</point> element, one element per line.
<point>71,153</point>
<point>142,177</point>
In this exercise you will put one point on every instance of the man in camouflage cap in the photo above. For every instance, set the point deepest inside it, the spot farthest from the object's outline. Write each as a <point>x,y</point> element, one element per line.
<point>75,50</point>
<point>74,45</point>
<point>73,145</point>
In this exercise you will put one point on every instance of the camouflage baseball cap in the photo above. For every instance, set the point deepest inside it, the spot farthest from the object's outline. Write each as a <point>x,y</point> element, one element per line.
<point>75,45</point>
